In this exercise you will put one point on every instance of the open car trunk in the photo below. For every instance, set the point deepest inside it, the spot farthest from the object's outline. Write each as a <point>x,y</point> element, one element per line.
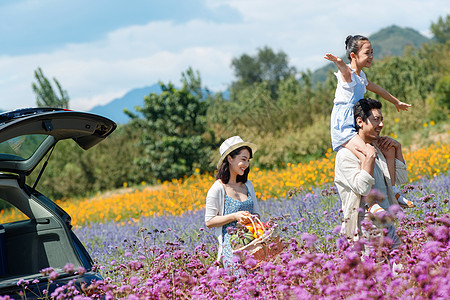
<point>42,241</point>
<point>43,237</point>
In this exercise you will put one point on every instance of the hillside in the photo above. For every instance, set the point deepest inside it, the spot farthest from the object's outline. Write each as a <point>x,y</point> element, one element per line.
<point>390,41</point>
<point>393,40</point>
<point>114,109</point>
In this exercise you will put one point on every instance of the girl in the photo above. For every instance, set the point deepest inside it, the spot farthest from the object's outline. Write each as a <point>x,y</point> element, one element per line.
<point>351,87</point>
<point>231,198</point>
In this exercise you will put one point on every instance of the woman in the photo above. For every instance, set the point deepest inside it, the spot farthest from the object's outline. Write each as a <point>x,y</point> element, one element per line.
<point>231,198</point>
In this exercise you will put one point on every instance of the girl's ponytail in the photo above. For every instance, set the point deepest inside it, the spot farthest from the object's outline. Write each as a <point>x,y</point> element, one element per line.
<point>352,44</point>
<point>347,40</point>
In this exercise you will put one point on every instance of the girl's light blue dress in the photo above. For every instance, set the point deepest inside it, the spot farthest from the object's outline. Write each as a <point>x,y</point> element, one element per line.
<point>345,98</point>
<point>232,206</point>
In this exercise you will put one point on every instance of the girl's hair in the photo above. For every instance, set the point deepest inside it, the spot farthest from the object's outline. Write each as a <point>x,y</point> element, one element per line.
<point>352,44</point>
<point>224,171</point>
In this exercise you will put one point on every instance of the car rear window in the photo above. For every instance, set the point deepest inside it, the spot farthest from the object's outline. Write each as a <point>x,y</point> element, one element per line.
<point>21,147</point>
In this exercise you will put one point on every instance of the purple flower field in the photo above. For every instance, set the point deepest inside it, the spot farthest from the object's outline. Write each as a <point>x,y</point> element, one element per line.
<point>174,257</point>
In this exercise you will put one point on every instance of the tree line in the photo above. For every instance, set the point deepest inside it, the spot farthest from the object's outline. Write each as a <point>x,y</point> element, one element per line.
<point>177,133</point>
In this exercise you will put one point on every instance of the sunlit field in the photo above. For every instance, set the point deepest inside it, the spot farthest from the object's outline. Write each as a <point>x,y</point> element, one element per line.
<point>179,196</point>
<point>172,257</point>
<point>151,242</point>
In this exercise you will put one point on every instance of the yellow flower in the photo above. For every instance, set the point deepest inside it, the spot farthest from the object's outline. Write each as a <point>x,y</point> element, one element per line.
<point>425,124</point>
<point>178,196</point>
<point>396,120</point>
<point>432,123</point>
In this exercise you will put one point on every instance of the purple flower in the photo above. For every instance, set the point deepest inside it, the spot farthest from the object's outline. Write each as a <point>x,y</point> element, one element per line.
<point>250,262</point>
<point>81,270</point>
<point>394,209</point>
<point>326,269</point>
<point>125,289</point>
<point>69,268</point>
<point>134,281</point>
<point>53,275</point>
<point>342,243</point>
<point>46,271</point>
<point>374,196</point>
<point>427,198</point>
<point>337,229</point>
<point>309,239</point>
<point>20,282</point>
<point>407,188</point>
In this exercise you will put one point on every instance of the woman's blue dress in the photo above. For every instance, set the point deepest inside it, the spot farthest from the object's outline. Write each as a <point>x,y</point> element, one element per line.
<point>232,206</point>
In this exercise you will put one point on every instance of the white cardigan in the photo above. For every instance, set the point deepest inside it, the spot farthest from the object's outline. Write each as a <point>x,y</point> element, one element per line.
<point>215,205</point>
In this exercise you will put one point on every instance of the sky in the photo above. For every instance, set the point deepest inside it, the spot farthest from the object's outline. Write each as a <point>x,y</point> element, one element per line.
<point>99,50</point>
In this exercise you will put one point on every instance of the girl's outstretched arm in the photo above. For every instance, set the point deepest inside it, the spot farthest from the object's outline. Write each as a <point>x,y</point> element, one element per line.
<point>386,95</point>
<point>343,68</point>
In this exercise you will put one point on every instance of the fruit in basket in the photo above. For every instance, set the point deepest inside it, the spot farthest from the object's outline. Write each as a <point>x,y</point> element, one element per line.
<point>234,239</point>
<point>260,226</point>
<point>248,237</point>
<point>259,232</point>
<point>257,229</point>
<point>250,228</point>
<point>241,239</point>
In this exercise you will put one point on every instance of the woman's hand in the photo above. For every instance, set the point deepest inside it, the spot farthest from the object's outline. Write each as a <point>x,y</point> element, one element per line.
<point>242,217</point>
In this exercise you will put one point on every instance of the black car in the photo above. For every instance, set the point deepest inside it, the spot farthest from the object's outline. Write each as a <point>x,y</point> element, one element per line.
<point>43,239</point>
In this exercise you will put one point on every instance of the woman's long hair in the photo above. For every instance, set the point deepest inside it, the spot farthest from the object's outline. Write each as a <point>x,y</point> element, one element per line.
<point>224,171</point>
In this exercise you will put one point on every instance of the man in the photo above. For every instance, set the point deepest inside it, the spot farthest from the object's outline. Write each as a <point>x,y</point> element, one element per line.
<point>355,178</point>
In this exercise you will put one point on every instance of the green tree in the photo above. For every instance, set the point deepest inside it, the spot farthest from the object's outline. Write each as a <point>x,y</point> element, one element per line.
<point>442,91</point>
<point>45,94</point>
<point>175,135</point>
<point>441,29</point>
<point>266,66</point>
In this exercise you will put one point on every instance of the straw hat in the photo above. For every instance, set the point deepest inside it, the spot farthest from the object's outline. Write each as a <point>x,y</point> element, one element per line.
<point>231,144</point>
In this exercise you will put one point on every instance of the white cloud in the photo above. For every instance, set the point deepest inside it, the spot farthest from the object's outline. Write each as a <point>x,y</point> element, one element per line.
<point>136,56</point>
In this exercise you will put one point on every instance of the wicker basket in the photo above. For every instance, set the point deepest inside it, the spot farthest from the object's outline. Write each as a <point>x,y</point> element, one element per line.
<point>263,248</point>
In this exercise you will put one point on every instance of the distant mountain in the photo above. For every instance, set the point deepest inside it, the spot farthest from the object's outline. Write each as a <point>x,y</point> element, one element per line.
<point>135,97</point>
<point>390,41</point>
<point>114,109</point>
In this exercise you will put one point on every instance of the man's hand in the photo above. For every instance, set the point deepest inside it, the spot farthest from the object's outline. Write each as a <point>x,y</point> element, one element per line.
<point>385,143</point>
<point>370,153</point>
